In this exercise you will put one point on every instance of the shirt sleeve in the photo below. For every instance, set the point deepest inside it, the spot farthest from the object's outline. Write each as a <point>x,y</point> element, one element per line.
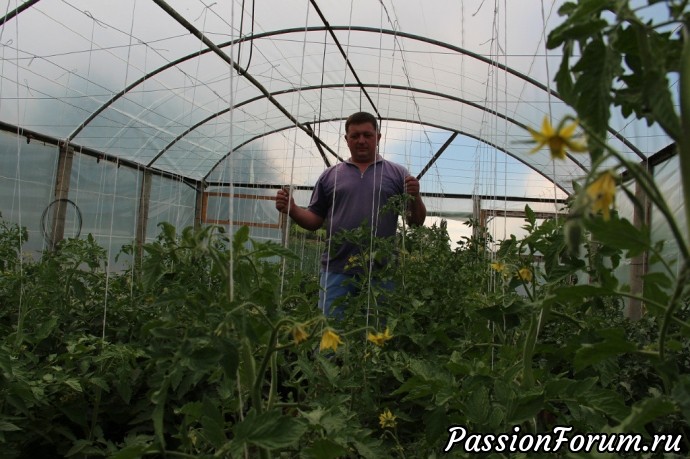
<point>319,201</point>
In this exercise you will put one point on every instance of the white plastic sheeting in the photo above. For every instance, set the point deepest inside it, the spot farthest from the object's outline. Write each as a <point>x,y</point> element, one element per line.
<point>27,176</point>
<point>255,93</point>
<point>128,79</point>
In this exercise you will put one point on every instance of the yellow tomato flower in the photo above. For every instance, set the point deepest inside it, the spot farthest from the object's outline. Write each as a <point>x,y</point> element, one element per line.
<point>498,266</point>
<point>501,268</point>
<point>557,141</point>
<point>525,274</point>
<point>380,338</point>
<point>353,260</point>
<point>330,340</point>
<point>299,334</point>
<point>387,419</point>
<point>602,192</point>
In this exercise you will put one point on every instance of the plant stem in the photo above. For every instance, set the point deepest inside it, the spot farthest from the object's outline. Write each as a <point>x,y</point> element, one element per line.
<point>528,351</point>
<point>400,448</point>
<point>663,307</point>
<point>165,453</point>
<point>357,330</point>
<point>579,323</point>
<point>649,187</point>
<point>675,300</point>
<point>19,338</point>
<point>684,156</point>
<point>259,376</point>
<point>684,141</point>
<point>251,370</point>
<point>273,392</point>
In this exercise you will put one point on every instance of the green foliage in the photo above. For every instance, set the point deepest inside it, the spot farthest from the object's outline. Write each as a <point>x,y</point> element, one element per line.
<point>206,347</point>
<point>615,45</point>
<point>628,59</point>
<point>194,351</point>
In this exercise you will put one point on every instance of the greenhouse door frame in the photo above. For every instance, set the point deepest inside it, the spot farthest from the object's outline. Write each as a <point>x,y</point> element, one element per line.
<point>280,224</point>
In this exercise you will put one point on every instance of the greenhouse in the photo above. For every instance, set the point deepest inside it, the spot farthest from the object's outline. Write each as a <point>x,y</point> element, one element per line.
<point>169,224</point>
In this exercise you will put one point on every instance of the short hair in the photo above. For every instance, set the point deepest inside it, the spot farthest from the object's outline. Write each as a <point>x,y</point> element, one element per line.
<point>361,118</point>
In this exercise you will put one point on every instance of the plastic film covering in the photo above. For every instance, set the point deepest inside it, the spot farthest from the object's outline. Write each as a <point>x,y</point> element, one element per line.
<point>179,85</point>
<point>170,201</point>
<point>202,93</point>
<point>27,177</point>
<point>107,197</point>
<point>668,180</point>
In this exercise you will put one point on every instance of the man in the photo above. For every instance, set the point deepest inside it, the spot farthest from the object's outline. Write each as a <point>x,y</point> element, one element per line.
<point>349,193</point>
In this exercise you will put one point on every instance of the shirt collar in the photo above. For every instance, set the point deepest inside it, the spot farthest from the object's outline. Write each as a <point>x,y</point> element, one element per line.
<point>378,158</point>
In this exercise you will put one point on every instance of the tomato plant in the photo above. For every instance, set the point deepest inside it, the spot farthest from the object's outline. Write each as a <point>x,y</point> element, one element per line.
<point>208,346</point>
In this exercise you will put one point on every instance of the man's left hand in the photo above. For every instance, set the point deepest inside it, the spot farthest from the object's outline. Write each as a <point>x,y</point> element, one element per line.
<point>411,186</point>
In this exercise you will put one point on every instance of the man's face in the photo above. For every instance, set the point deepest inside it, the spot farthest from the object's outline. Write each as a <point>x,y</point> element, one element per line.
<point>362,140</point>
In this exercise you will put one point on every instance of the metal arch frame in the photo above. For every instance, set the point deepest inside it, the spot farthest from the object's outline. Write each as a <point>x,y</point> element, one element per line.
<point>356,85</point>
<point>269,34</point>
<point>200,123</point>
<point>400,120</point>
<point>212,47</point>
<point>17,11</point>
<point>99,155</point>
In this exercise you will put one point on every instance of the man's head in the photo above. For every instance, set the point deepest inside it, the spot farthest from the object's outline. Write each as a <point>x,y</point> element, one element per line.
<point>362,136</point>
<point>361,118</point>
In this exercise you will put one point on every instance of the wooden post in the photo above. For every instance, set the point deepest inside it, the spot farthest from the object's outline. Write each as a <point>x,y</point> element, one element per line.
<point>199,206</point>
<point>283,225</point>
<point>62,182</point>
<point>478,216</point>
<point>634,310</point>
<point>142,214</point>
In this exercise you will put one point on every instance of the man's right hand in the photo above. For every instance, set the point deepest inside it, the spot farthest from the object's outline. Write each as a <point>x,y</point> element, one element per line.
<point>284,201</point>
<point>303,217</point>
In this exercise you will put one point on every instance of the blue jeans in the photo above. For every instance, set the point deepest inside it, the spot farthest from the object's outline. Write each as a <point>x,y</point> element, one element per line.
<point>334,286</point>
<point>338,285</point>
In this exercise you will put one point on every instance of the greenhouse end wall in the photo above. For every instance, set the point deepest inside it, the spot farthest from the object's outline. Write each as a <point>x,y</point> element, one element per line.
<point>103,198</point>
<point>27,177</point>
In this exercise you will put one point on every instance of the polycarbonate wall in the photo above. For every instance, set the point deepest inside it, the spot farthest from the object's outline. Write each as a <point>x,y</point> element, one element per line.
<point>106,198</point>
<point>103,197</point>
<point>27,180</point>
<point>667,177</point>
<point>252,207</point>
<point>171,201</point>
<point>128,79</point>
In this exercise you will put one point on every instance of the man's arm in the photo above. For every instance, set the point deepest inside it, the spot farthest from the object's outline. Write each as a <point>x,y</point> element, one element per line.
<point>303,217</point>
<point>416,209</point>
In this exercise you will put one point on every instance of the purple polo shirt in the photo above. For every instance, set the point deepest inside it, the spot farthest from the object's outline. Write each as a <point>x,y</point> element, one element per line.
<point>358,197</point>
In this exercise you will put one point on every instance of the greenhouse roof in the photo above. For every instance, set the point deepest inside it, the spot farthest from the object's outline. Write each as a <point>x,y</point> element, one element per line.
<point>256,92</point>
